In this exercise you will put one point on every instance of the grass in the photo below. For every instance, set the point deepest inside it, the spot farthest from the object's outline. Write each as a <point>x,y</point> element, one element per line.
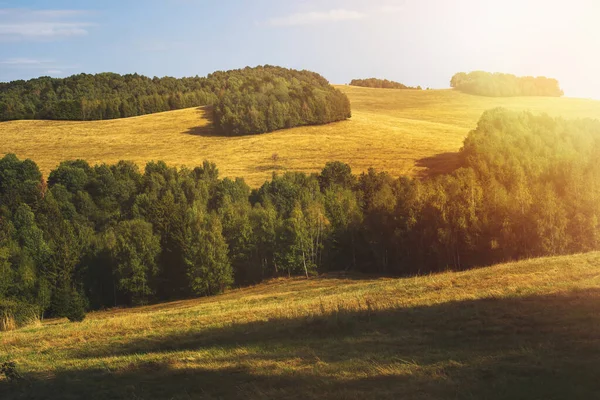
<point>527,330</point>
<point>400,131</point>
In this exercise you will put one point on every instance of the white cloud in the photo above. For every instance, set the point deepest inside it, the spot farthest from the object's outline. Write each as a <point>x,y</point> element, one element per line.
<point>54,72</point>
<point>44,29</point>
<point>25,24</point>
<point>316,17</point>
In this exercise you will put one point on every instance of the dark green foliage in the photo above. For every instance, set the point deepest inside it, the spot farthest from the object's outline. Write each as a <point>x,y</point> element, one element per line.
<point>528,186</point>
<point>505,85</point>
<point>68,303</point>
<point>264,99</point>
<point>246,101</point>
<point>100,96</point>
<point>76,309</point>
<point>381,84</point>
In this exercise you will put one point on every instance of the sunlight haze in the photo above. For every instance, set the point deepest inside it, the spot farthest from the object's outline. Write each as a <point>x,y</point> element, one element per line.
<point>416,42</point>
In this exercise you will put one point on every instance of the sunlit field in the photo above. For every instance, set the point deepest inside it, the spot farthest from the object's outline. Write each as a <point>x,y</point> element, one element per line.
<point>400,131</point>
<point>522,330</point>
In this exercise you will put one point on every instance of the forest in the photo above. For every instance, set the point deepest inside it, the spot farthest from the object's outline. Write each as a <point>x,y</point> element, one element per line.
<point>91,237</point>
<point>246,101</point>
<point>381,84</point>
<point>505,85</point>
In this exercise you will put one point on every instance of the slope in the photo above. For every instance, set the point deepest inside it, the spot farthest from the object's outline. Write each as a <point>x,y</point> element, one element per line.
<point>400,131</point>
<point>520,330</point>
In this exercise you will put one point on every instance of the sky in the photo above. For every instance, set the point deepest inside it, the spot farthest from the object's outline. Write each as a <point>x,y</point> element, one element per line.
<point>416,42</point>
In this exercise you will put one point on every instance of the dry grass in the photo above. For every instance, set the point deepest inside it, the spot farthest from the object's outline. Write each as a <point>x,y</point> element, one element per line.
<point>520,330</point>
<point>400,131</point>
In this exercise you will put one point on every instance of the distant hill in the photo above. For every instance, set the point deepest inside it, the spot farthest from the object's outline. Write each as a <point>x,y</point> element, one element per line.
<point>246,101</point>
<point>505,85</point>
<point>400,131</point>
<point>380,84</point>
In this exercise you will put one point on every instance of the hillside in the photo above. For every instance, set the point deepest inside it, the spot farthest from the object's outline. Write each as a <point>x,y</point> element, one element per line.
<point>403,132</point>
<point>520,330</point>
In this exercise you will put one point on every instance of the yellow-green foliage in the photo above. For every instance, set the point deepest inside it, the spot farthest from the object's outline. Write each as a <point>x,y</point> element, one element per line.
<point>520,330</point>
<point>390,130</point>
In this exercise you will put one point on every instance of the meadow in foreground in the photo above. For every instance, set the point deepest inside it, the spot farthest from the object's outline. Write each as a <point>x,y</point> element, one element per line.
<point>526,330</point>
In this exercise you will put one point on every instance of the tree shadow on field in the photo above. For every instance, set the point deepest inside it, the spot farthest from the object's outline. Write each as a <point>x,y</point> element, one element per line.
<point>535,347</point>
<point>443,163</point>
<point>207,130</point>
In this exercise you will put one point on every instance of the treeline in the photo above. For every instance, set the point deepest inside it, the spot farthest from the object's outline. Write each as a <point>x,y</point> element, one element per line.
<point>246,101</point>
<point>381,84</point>
<point>94,237</point>
<point>100,96</point>
<point>505,85</point>
<point>264,99</point>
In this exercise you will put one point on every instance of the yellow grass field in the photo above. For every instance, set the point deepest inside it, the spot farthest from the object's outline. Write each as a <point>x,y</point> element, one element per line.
<point>527,330</point>
<point>400,131</point>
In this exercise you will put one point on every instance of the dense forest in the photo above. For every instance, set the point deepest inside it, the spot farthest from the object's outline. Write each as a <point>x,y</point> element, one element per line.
<point>246,101</point>
<point>505,85</point>
<point>380,84</point>
<point>109,235</point>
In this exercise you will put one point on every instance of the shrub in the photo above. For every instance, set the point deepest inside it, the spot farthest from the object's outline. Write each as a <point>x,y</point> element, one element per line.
<point>14,314</point>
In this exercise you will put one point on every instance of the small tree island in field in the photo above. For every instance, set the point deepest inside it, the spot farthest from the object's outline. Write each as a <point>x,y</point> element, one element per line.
<point>381,84</point>
<point>505,85</point>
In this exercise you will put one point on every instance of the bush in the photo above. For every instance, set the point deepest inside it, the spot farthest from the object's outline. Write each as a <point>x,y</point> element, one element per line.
<point>68,303</point>
<point>14,314</point>
<point>76,309</point>
<point>9,370</point>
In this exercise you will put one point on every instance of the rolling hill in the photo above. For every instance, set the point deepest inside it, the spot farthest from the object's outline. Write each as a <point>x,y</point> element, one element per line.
<point>519,330</point>
<point>403,132</point>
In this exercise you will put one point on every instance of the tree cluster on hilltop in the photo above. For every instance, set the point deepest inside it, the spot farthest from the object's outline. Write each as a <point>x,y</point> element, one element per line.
<point>246,101</point>
<point>505,85</point>
<point>111,235</point>
<point>381,84</point>
<point>264,99</point>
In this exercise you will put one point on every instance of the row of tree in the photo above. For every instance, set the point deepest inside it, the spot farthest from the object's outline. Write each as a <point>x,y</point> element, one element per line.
<point>381,84</point>
<point>100,96</point>
<point>246,101</point>
<point>111,235</point>
<point>505,85</point>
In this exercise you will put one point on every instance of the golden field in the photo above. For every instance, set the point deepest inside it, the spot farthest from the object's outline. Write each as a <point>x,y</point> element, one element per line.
<point>526,330</point>
<point>400,131</point>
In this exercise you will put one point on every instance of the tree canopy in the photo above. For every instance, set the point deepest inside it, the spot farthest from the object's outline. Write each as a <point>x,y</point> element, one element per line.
<point>264,99</point>
<point>505,85</point>
<point>380,84</point>
<point>105,235</point>
<point>246,101</point>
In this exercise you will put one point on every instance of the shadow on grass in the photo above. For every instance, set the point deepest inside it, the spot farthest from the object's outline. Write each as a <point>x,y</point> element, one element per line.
<point>208,130</point>
<point>443,163</point>
<point>536,347</point>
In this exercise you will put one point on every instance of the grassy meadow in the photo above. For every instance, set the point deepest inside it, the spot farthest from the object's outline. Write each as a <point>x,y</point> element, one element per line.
<point>400,131</point>
<point>527,330</point>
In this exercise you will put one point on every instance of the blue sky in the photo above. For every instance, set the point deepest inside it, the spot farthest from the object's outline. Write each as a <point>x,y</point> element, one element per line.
<point>417,42</point>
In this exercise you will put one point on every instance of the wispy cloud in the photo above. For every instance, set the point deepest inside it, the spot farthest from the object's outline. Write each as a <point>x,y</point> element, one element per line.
<point>18,62</point>
<point>26,24</point>
<point>316,17</point>
<point>50,66</point>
